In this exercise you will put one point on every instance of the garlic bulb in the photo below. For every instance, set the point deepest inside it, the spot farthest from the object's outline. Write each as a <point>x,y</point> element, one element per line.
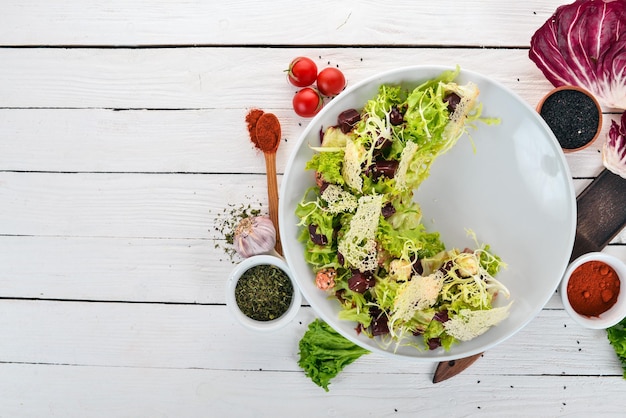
<point>254,235</point>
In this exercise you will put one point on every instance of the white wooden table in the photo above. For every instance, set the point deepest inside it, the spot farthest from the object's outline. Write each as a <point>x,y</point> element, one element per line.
<point>123,143</point>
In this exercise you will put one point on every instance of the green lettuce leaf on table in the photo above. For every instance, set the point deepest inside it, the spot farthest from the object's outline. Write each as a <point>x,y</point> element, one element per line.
<point>324,353</point>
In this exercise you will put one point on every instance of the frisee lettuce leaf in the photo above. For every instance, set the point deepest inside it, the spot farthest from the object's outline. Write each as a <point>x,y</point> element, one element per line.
<point>328,165</point>
<point>324,353</point>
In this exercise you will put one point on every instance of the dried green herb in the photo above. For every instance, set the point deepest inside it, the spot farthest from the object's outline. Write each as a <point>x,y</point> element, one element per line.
<point>226,223</point>
<point>264,292</point>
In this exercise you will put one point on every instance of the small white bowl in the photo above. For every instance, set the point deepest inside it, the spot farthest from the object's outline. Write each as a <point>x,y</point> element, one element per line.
<point>617,312</point>
<point>248,322</point>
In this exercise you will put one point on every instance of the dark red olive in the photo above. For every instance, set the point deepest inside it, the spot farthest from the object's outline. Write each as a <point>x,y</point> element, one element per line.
<point>384,168</point>
<point>453,100</point>
<point>434,343</point>
<point>441,316</point>
<point>395,117</point>
<point>417,267</point>
<point>379,324</point>
<point>383,144</point>
<point>361,281</point>
<point>318,239</point>
<point>388,210</point>
<point>347,119</point>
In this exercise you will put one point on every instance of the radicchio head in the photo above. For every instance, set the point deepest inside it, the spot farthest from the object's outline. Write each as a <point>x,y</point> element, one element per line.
<point>584,44</point>
<point>614,149</point>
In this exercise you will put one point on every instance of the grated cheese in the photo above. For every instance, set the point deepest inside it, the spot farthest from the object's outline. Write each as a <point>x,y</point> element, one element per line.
<point>469,94</point>
<point>338,199</point>
<point>352,159</point>
<point>400,270</point>
<point>419,293</point>
<point>358,245</point>
<point>470,324</point>
<point>405,160</point>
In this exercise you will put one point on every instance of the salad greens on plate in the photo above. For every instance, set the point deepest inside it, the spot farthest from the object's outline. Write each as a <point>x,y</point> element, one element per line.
<point>362,229</point>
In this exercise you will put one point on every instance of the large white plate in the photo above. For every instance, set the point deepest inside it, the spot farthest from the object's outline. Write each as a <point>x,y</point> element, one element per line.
<point>514,191</point>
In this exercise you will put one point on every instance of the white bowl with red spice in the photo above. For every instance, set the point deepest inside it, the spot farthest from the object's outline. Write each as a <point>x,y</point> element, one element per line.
<point>591,290</point>
<point>262,293</point>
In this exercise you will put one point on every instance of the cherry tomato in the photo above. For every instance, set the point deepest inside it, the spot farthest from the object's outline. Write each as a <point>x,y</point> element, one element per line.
<point>307,102</point>
<point>330,81</point>
<point>302,72</point>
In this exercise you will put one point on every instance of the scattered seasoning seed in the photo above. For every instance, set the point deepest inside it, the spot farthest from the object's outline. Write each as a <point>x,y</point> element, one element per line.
<point>572,116</point>
<point>226,223</point>
<point>264,292</point>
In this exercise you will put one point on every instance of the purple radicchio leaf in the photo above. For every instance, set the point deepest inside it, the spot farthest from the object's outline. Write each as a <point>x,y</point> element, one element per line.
<point>614,149</point>
<point>584,44</point>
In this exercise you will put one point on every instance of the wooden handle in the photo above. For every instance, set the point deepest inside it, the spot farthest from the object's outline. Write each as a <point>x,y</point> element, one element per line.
<point>447,369</point>
<point>272,196</point>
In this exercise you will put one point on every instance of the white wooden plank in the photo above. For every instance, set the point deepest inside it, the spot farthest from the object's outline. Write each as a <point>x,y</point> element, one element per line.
<point>150,22</point>
<point>122,205</point>
<point>53,390</point>
<point>196,141</point>
<point>145,270</point>
<point>96,140</point>
<point>127,269</point>
<point>208,337</point>
<point>211,78</point>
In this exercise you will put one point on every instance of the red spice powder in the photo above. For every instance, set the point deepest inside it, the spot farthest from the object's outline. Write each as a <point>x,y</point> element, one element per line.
<point>593,288</point>
<point>251,119</point>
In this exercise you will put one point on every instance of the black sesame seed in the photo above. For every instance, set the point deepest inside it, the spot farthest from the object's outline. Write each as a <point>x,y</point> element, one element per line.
<point>572,116</point>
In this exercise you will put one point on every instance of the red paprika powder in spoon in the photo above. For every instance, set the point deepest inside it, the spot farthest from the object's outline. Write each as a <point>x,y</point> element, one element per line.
<point>265,132</point>
<point>593,288</point>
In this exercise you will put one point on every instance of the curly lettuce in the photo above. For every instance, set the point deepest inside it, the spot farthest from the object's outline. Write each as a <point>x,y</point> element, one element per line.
<point>324,353</point>
<point>328,165</point>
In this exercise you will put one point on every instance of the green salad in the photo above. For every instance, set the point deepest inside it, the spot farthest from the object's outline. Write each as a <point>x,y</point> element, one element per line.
<point>363,232</point>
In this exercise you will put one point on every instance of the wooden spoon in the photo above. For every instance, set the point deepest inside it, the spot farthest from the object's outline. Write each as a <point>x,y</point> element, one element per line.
<point>267,139</point>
